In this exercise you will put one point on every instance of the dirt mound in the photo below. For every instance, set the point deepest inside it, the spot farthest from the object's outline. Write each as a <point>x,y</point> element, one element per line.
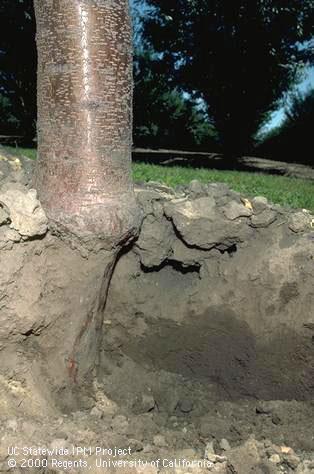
<point>207,362</point>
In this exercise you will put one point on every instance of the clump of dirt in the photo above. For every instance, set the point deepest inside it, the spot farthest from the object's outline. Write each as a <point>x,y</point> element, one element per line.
<point>207,356</point>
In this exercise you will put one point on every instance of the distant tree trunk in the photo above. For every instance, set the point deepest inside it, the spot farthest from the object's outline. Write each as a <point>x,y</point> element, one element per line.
<point>83,174</point>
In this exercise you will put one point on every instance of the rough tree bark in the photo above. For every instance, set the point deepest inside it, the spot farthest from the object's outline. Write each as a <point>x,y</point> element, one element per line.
<point>83,174</point>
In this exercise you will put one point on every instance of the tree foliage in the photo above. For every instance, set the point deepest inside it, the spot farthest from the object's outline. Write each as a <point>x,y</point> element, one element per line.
<point>300,110</point>
<point>292,141</point>
<point>18,61</point>
<point>239,56</point>
<point>163,116</point>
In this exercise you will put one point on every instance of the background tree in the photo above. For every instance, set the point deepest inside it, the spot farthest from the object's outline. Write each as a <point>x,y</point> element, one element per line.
<point>18,62</point>
<point>238,56</point>
<point>292,141</point>
<point>9,124</point>
<point>163,116</point>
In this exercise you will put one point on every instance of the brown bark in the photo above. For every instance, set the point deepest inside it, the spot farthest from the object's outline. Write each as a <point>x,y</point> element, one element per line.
<point>83,174</point>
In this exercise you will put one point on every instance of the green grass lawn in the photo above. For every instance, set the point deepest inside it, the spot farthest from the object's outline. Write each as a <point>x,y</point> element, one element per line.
<point>29,152</point>
<point>292,192</point>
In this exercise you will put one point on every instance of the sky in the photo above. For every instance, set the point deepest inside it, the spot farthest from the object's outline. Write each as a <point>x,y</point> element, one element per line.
<point>278,116</point>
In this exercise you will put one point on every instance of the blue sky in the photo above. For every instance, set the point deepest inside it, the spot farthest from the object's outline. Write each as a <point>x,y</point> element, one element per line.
<point>278,116</point>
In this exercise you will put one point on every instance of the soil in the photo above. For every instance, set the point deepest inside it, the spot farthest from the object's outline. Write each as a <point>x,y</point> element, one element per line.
<point>207,362</point>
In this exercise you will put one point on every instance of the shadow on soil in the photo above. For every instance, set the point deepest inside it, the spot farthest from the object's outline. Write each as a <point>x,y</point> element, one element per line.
<point>221,349</point>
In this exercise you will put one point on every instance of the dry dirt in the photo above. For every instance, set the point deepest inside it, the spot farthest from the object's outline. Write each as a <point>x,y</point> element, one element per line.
<point>207,362</point>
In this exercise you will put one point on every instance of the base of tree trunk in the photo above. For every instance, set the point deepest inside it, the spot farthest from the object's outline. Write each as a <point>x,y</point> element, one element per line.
<point>52,308</point>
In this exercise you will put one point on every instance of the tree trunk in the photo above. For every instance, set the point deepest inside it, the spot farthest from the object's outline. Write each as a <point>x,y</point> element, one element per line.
<point>83,175</point>
<point>83,179</point>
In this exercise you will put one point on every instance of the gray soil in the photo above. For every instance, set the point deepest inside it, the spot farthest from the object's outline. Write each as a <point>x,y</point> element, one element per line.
<point>207,352</point>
